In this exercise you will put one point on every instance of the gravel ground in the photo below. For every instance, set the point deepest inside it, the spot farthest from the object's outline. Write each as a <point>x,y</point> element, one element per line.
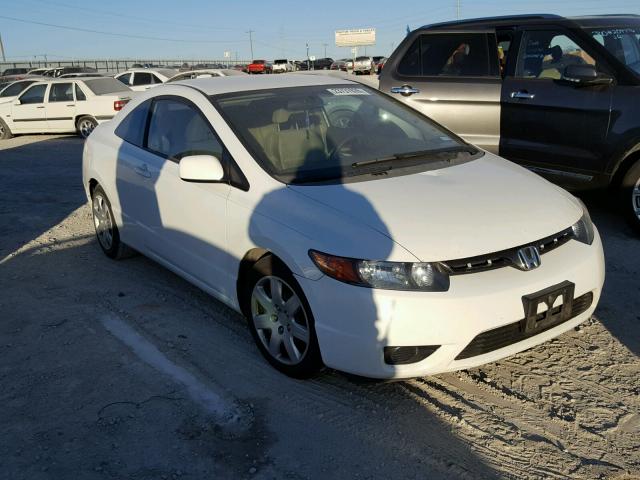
<point>123,370</point>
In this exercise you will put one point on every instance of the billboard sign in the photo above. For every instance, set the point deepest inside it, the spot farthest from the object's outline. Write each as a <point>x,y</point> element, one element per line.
<point>355,37</point>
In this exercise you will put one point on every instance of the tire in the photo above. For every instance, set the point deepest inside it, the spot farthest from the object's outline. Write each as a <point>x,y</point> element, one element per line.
<point>107,232</point>
<point>285,337</point>
<point>5,132</point>
<point>630,195</point>
<point>85,125</point>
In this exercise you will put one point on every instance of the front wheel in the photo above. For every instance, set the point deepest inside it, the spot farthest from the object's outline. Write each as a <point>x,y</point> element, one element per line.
<point>86,125</point>
<point>630,195</point>
<point>280,320</point>
<point>105,225</point>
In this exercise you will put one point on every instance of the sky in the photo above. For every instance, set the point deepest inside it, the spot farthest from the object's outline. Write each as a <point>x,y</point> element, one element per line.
<point>201,29</point>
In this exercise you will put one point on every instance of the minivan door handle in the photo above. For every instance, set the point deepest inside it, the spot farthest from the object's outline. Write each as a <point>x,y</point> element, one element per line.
<point>143,170</point>
<point>405,90</point>
<point>523,95</point>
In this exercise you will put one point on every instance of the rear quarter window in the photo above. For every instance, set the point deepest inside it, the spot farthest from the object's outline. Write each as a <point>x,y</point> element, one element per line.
<point>132,127</point>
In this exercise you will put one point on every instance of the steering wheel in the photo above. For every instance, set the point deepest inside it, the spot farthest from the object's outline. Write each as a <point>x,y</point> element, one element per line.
<point>343,143</point>
<point>341,118</point>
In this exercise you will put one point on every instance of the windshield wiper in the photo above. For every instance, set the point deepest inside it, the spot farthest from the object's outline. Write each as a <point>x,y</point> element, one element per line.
<point>419,153</point>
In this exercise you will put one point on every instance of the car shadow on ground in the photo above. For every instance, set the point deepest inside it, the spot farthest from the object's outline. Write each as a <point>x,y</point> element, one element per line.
<point>41,185</point>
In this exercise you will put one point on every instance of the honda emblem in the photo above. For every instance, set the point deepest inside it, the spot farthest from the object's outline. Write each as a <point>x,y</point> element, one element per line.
<point>528,258</point>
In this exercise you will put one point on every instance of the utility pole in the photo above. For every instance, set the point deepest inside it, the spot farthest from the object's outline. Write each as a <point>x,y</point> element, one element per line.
<point>4,59</point>
<point>307,56</point>
<point>458,9</point>
<point>250,32</point>
<point>325,49</point>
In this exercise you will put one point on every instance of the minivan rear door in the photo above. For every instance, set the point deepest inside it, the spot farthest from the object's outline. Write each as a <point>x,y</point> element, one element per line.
<point>453,77</point>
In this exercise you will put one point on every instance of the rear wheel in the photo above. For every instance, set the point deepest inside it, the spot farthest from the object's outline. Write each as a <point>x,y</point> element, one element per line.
<point>630,195</point>
<point>5,133</point>
<point>280,319</point>
<point>86,125</point>
<point>105,225</point>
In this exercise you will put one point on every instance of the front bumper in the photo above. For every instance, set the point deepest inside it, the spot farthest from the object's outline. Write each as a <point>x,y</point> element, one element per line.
<point>354,324</point>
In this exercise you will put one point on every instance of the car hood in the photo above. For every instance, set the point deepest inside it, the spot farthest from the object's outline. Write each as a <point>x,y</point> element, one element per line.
<point>474,208</point>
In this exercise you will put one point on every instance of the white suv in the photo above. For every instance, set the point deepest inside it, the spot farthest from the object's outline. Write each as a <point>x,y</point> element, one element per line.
<point>63,106</point>
<point>282,66</point>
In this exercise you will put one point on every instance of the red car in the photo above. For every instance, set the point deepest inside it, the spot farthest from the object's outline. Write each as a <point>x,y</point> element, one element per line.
<point>259,66</point>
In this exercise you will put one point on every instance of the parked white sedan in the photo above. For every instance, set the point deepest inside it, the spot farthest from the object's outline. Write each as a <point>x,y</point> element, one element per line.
<point>349,229</point>
<point>140,79</point>
<point>63,106</point>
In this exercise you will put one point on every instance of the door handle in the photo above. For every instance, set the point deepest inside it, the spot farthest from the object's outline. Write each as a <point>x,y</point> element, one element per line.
<point>405,90</point>
<point>143,170</point>
<point>523,95</point>
<point>40,107</point>
<point>70,105</point>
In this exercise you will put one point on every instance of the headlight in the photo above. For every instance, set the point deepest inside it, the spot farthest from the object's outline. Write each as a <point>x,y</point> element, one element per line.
<point>421,276</point>
<point>583,228</point>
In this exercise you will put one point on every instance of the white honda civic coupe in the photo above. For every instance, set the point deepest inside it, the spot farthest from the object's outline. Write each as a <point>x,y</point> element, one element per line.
<point>350,230</point>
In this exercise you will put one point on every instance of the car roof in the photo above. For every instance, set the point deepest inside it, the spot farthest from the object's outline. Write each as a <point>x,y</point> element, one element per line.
<point>167,72</point>
<point>245,83</point>
<point>529,19</point>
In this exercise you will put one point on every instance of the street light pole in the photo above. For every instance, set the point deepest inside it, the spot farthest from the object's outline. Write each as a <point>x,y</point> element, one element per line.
<point>307,56</point>
<point>4,59</point>
<point>250,32</point>
<point>325,49</point>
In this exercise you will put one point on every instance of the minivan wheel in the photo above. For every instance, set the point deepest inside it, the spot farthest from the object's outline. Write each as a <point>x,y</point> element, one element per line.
<point>630,190</point>
<point>280,319</point>
<point>106,229</point>
<point>86,125</point>
<point>5,133</point>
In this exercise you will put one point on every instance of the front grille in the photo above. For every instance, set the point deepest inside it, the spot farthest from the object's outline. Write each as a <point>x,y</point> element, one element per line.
<point>505,258</point>
<point>508,334</point>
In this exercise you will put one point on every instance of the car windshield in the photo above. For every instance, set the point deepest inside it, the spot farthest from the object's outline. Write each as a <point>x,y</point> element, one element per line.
<point>102,86</point>
<point>622,42</point>
<point>330,132</point>
<point>16,88</point>
<point>278,62</point>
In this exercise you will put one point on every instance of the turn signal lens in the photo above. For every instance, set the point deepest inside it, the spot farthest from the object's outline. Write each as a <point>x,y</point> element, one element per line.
<point>340,268</point>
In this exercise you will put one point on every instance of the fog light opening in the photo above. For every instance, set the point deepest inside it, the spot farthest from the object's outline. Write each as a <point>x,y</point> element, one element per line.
<point>407,355</point>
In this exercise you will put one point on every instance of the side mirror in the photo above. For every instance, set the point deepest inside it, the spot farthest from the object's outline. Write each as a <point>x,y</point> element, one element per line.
<point>17,102</point>
<point>585,74</point>
<point>201,168</point>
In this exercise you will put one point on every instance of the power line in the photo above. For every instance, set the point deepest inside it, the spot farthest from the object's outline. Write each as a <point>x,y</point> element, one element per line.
<point>125,35</point>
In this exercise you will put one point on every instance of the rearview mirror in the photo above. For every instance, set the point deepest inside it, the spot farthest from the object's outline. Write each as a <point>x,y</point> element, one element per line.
<point>201,168</point>
<point>585,74</point>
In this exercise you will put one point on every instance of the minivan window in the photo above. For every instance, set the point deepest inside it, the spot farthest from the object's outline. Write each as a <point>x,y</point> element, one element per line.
<point>34,94</point>
<point>450,54</point>
<point>329,132</point>
<point>546,54</point>
<point>622,42</point>
<point>177,130</point>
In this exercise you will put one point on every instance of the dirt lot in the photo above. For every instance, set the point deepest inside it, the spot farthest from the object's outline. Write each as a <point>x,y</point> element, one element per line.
<point>123,370</point>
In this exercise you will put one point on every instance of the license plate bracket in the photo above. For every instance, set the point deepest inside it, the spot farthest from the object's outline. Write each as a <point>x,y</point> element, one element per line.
<point>534,321</point>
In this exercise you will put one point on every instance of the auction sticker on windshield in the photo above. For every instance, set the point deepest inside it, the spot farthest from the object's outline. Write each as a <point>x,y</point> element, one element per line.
<point>348,91</point>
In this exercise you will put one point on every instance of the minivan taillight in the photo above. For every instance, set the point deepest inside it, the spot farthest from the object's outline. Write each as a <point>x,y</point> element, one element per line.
<point>119,105</point>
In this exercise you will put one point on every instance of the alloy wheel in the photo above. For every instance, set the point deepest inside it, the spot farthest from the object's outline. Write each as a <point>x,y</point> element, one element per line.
<point>280,320</point>
<point>102,221</point>
<point>86,127</point>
